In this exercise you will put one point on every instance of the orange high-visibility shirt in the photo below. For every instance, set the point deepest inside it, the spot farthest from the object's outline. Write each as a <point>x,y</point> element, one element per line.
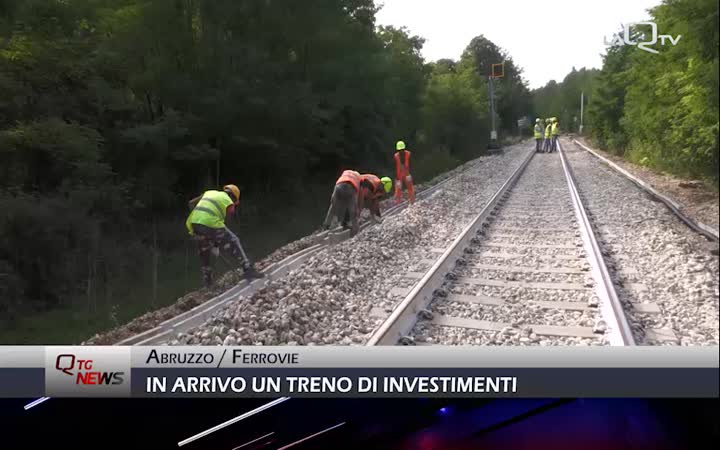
<point>377,189</point>
<point>350,176</point>
<point>402,170</point>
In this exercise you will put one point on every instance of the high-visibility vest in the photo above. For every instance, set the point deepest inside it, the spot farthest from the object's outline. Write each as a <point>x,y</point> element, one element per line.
<point>377,187</point>
<point>538,131</point>
<point>402,170</point>
<point>210,210</point>
<point>555,130</point>
<point>350,176</point>
<point>548,130</point>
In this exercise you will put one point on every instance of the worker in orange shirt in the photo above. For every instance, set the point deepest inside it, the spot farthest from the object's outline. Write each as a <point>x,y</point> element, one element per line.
<point>372,190</point>
<point>344,203</point>
<point>402,173</point>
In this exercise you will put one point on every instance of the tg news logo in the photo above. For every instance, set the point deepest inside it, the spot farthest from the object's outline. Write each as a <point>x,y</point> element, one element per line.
<point>83,372</point>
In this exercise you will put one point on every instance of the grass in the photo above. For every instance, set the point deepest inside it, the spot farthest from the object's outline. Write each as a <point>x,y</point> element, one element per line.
<point>651,156</point>
<point>73,324</point>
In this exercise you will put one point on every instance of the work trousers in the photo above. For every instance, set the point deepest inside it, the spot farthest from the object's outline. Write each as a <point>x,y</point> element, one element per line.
<point>222,239</point>
<point>407,180</point>
<point>344,208</point>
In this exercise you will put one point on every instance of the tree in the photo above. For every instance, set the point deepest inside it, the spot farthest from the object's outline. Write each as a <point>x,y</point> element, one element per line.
<point>513,97</point>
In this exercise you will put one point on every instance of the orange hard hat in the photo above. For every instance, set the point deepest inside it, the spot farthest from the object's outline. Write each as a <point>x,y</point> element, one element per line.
<point>233,191</point>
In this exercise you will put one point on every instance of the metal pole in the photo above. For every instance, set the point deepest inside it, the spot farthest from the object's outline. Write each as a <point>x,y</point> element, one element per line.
<point>493,133</point>
<point>582,103</point>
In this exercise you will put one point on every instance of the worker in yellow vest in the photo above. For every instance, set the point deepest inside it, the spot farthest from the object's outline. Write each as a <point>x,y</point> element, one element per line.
<point>538,133</point>
<point>548,135</point>
<point>206,223</point>
<point>555,131</point>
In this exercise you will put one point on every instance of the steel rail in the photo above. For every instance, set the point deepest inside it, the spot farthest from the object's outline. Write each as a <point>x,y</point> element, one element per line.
<point>403,318</point>
<point>196,316</point>
<point>199,314</point>
<point>673,206</point>
<point>612,310</point>
<point>401,321</point>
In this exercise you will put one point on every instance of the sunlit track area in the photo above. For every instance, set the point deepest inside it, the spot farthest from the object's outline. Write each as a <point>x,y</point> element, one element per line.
<point>527,272</point>
<point>665,266</point>
<point>382,424</point>
<point>334,296</point>
<point>530,273</point>
<point>525,278</point>
<point>524,260</point>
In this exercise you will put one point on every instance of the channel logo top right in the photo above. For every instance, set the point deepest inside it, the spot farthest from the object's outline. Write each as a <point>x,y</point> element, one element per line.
<point>642,31</point>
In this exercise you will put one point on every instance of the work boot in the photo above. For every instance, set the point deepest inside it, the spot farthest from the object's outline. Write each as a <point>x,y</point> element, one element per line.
<point>251,273</point>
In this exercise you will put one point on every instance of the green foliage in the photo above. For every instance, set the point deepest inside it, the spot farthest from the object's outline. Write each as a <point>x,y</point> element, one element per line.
<point>512,96</point>
<point>114,113</point>
<point>455,113</point>
<point>661,110</point>
<point>562,100</point>
<point>671,113</point>
<point>50,154</point>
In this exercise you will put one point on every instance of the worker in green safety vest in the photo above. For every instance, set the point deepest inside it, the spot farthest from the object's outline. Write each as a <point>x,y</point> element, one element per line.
<point>548,135</point>
<point>538,133</point>
<point>206,223</point>
<point>555,131</point>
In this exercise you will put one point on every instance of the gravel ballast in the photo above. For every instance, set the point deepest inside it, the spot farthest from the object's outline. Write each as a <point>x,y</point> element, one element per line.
<point>656,258</point>
<point>540,204</point>
<point>330,298</point>
<point>154,318</point>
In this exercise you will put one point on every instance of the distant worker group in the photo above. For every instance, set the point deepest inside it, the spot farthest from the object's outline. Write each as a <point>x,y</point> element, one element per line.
<point>546,137</point>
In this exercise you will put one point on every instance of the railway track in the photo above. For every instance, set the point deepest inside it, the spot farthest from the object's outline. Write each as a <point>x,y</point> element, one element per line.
<point>196,316</point>
<point>527,271</point>
<point>200,314</point>
<point>709,232</point>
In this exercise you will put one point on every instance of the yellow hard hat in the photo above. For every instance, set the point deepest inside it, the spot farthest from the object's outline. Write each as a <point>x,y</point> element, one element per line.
<point>387,183</point>
<point>233,192</point>
<point>400,145</point>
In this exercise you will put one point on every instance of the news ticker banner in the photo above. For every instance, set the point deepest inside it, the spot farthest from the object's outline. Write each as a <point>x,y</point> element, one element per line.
<point>332,371</point>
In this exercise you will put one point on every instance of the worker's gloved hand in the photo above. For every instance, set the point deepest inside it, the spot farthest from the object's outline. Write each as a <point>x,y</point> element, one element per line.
<point>215,251</point>
<point>252,273</point>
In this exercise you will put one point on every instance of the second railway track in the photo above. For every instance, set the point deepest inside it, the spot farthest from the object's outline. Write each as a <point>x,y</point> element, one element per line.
<point>526,271</point>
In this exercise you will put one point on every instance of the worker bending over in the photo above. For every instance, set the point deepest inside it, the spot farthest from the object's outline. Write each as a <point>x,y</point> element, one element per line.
<point>344,202</point>
<point>402,173</point>
<point>555,131</point>
<point>372,190</point>
<point>538,133</point>
<point>206,223</point>
<point>548,137</point>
